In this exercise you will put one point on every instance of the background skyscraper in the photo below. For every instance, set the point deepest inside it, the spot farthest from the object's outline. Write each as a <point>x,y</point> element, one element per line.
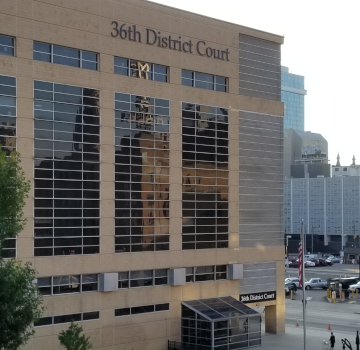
<point>292,94</point>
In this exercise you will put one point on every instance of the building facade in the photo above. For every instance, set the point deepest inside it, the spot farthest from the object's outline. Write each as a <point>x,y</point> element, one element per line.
<point>153,140</point>
<point>305,154</point>
<point>293,94</point>
<point>345,170</point>
<point>329,208</point>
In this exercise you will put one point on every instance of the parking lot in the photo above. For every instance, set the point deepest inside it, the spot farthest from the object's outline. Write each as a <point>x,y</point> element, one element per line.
<point>323,272</point>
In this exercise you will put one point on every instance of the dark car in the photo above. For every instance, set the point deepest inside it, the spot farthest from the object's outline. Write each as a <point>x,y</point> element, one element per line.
<point>322,262</point>
<point>290,287</point>
<point>294,264</point>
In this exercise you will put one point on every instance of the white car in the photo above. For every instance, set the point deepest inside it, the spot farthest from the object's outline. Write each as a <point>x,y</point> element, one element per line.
<point>309,263</point>
<point>354,287</point>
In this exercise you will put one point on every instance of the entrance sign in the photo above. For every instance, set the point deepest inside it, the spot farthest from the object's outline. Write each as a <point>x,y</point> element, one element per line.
<point>256,297</point>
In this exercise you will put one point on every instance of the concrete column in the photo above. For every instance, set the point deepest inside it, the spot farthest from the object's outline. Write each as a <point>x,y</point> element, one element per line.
<point>275,318</point>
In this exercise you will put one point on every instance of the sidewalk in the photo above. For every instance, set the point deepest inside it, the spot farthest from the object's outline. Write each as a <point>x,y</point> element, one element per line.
<point>293,339</point>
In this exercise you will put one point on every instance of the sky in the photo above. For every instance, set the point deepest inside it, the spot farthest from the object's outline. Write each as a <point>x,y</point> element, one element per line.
<point>321,43</point>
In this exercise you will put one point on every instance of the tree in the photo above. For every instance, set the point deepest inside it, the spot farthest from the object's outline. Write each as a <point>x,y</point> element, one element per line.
<point>14,189</point>
<point>20,303</point>
<point>72,339</point>
<point>20,298</point>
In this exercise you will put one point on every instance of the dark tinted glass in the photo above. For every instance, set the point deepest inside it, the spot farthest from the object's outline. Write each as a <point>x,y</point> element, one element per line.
<point>91,315</point>
<point>44,321</point>
<point>122,312</point>
<point>162,307</point>
<point>142,309</point>
<point>71,175</point>
<point>203,154</point>
<point>67,318</point>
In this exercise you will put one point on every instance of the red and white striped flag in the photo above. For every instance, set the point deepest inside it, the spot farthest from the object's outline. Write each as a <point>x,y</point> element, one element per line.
<point>300,265</point>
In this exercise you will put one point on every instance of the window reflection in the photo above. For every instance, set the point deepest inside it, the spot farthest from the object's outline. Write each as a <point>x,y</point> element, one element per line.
<point>67,156</point>
<point>7,113</point>
<point>139,69</point>
<point>141,173</point>
<point>205,176</point>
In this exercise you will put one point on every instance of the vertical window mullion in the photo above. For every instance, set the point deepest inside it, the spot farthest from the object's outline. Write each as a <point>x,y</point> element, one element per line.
<point>52,59</point>
<point>80,57</point>
<point>128,67</point>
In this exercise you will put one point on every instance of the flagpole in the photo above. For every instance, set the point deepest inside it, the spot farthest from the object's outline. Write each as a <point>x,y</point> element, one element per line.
<point>303,281</point>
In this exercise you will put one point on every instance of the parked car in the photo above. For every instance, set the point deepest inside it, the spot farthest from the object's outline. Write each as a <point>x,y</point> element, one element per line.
<point>322,262</point>
<point>294,280</point>
<point>290,287</point>
<point>335,260</point>
<point>315,261</point>
<point>315,283</point>
<point>307,263</point>
<point>329,262</point>
<point>354,287</point>
<point>346,282</point>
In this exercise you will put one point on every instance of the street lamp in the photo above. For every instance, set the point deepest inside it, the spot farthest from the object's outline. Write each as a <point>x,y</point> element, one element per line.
<point>287,243</point>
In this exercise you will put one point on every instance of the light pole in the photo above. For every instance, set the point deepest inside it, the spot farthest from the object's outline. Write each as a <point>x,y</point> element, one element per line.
<point>287,243</point>
<point>312,238</point>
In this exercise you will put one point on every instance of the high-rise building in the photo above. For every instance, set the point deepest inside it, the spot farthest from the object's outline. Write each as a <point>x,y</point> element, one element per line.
<point>153,141</point>
<point>329,208</point>
<point>292,94</point>
<point>305,154</point>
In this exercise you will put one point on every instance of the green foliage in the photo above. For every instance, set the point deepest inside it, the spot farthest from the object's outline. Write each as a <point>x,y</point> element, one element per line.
<point>20,303</point>
<point>72,339</point>
<point>14,189</point>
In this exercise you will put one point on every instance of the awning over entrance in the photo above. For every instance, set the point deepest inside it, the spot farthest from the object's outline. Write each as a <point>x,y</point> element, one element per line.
<point>219,324</point>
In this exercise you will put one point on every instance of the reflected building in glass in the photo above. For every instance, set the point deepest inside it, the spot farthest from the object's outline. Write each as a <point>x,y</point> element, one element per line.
<point>154,152</point>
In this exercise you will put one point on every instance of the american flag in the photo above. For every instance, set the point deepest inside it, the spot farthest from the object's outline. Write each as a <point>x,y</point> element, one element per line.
<point>300,265</point>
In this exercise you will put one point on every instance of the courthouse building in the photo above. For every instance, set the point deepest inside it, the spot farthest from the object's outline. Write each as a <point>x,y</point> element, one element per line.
<point>153,140</point>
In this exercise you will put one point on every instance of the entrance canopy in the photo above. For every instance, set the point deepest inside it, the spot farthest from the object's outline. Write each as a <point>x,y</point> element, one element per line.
<point>219,324</point>
<point>217,309</point>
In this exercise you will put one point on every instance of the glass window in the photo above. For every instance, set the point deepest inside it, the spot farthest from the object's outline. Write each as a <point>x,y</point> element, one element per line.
<point>139,69</point>
<point>204,81</point>
<point>122,312</point>
<point>73,161</point>
<point>8,132</point>
<point>68,284</point>
<point>135,310</point>
<point>142,174</point>
<point>7,45</point>
<point>65,55</point>
<point>205,178</point>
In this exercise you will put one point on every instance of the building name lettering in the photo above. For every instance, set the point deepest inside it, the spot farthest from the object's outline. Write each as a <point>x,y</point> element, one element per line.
<point>265,296</point>
<point>152,37</point>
